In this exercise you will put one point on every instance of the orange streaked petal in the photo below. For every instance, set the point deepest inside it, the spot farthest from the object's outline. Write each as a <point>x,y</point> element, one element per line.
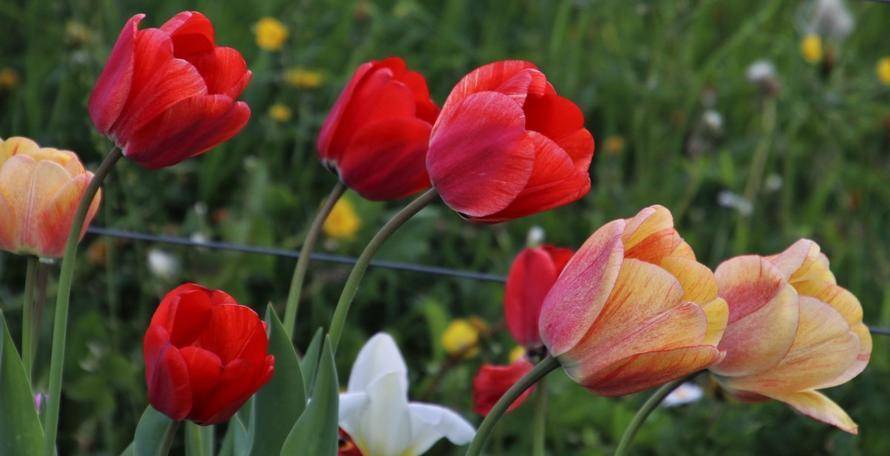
<point>699,284</point>
<point>55,217</point>
<point>763,313</point>
<point>576,299</point>
<point>717,312</point>
<point>650,236</point>
<point>15,182</point>
<point>14,146</point>
<point>803,261</point>
<point>646,370</point>
<point>9,226</point>
<point>823,349</point>
<point>819,407</point>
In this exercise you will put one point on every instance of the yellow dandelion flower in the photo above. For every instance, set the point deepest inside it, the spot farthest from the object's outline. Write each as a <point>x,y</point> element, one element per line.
<point>461,338</point>
<point>516,354</point>
<point>811,48</point>
<point>9,78</point>
<point>883,70</point>
<point>303,78</point>
<point>343,222</point>
<point>614,144</point>
<point>270,34</point>
<point>280,113</point>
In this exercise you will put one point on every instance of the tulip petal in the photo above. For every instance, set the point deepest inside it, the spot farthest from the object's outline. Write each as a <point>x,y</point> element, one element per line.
<point>166,375</point>
<point>8,226</point>
<point>387,159</point>
<point>224,71</point>
<point>555,181</point>
<point>823,350</point>
<point>335,116</point>
<point>186,130</point>
<point>160,82</point>
<point>185,313</point>
<point>481,137</point>
<point>492,381</point>
<point>430,423</point>
<point>819,407</point>
<point>113,86</point>
<point>191,33</point>
<point>386,423</point>
<point>718,315</point>
<point>531,276</point>
<point>237,382</point>
<point>204,369</point>
<point>234,332</point>
<point>646,370</point>
<point>426,108</point>
<point>514,78</point>
<point>698,282</point>
<point>15,184</point>
<point>578,296</point>
<point>47,179</point>
<point>763,314</point>
<point>803,261</point>
<point>16,145</point>
<point>650,236</point>
<point>54,218</point>
<point>378,357</point>
<point>561,120</point>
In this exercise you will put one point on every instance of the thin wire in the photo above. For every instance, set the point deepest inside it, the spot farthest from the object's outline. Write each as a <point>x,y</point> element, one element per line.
<point>329,258</point>
<point>325,257</point>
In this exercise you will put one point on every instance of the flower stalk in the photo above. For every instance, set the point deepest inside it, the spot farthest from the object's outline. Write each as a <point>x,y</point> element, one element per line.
<point>361,265</point>
<point>296,284</point>
<point>547,365</point>
<point>60,323</point>
<point>650,405</point>
<point>28,315</point>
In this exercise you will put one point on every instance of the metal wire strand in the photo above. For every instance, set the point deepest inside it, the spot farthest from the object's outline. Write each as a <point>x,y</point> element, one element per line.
<point>325,257</point>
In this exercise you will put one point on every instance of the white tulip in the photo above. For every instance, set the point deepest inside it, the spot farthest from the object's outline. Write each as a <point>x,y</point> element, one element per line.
<point>375,411</point>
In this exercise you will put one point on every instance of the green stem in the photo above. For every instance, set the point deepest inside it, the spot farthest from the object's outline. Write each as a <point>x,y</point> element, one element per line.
<point>198,439</point>
<point>168,438</point>
<point>539,425</point>
<point>28,315</point>
<point>296,283</point>
<point>543,368</point>
<point>60,323</point>
<point>361,265</point>
<point>643,413</point>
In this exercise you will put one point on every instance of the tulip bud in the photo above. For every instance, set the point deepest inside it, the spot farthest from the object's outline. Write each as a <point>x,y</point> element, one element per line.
<point>167,94</point>
<point>507,145</point>
<point>205,355</point>
<point>40,190</point>
<point>531,275</point>
<point>633,308</point>
<point>792,331</point>
<point>492,381</point>
<point>376,136</point>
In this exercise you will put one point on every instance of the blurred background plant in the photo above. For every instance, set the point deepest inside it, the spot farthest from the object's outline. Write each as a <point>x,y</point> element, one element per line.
<point>756,122</point>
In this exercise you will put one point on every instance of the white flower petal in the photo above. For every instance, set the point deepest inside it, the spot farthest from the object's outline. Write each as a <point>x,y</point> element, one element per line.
<point>386,421</point>
<point>352,407</point>
<point>430,423</point>
<point>380,356</point>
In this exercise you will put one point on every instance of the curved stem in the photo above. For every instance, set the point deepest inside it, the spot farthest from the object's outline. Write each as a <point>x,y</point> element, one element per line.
<point>541,369</point>
<point>60,318</point>
<point>361,265</point>
<point>168,438</point>
<point>643,413</point>
<point>28,313</point>
<point>539,425</point>
<point>296,283</point>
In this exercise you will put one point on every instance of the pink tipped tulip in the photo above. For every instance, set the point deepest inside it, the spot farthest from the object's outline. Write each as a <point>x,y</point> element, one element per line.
<point>792,330</point>
<point>633,308</point>
<point>40,189</point>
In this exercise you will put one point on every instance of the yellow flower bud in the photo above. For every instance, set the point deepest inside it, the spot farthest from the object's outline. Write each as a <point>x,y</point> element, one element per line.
<point>343,222</point>
<point>811,48</point>
<point>270,34</point>
<point>461,338</point>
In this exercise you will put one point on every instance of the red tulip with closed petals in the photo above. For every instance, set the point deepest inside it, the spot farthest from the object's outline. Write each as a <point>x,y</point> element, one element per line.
<point>205,355</point>
<point>167,94</point>
<point>492,381</point>
<point>506,145</point>
<point>376,136</point>
<point>532,274</point>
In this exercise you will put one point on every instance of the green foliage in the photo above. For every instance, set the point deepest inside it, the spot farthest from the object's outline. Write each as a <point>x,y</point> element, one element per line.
<point>153,433</point>
<point>20,429</point>
<point>316,431</point>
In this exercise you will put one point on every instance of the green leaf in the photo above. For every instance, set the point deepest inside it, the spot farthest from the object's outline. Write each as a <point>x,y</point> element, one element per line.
<point>20,428</point>
<point>316,432</point>
<point>198,440</point>
<point>280,402</point>
<point>309,364</point>
<point>154,433</point>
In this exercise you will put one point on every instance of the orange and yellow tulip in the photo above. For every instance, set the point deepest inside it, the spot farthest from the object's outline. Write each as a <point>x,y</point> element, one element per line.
<point>40,189</point>
<point>792,331</point>
<point>633,308</point>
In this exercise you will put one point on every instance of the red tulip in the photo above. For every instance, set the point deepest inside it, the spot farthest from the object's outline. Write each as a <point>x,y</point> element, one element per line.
<point>346,446</point>
<point>532,274</point>
<point>205,355</point>
<point>506,145</point>
<point>375,137</point>
<point>492,381</point>
<point>169,94</point>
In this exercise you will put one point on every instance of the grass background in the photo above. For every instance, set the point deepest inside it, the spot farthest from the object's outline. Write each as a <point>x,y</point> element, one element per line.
<point>643,71</point>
